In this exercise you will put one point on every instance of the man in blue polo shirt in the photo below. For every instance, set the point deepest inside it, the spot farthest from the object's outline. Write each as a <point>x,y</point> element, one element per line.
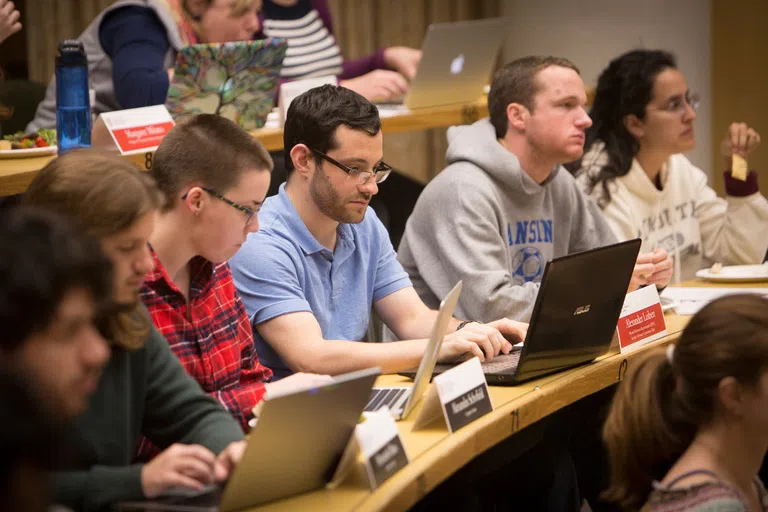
<point>322,258</point>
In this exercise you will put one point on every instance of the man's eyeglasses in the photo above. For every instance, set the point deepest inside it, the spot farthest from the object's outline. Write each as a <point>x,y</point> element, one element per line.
<point>379,173</point>
<point>250,214</point>
<point>678,105</point>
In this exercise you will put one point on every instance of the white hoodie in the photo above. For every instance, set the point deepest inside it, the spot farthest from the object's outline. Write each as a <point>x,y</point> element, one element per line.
<point>686,217</point>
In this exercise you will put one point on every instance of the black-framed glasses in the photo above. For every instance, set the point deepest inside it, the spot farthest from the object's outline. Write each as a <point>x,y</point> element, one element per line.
<point>379,173</point>
<point>250,214</point>
<point>678,105</point>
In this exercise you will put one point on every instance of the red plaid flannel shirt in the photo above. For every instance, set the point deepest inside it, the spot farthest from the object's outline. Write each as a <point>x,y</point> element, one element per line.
<point>211,336</point>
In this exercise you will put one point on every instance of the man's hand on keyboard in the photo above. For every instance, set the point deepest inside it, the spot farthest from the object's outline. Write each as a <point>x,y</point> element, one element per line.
<point>476,339</point>
<point>512,330</point>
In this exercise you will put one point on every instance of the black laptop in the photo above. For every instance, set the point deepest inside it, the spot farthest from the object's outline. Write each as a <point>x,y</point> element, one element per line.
<point>574,317</point>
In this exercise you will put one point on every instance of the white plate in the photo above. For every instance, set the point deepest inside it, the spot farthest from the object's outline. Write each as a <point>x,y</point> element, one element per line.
<point>667,303</point>
<point>27,153</point>
<point>736,274</point>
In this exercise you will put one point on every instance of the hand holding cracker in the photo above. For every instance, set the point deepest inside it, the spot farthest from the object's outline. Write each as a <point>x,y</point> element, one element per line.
<point>739,141</point>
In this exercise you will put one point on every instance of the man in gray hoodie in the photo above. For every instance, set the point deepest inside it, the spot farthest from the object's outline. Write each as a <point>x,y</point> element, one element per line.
<point>505,205</point>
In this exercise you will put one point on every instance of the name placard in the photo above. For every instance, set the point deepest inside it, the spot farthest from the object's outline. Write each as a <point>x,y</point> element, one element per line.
<point>383,451</point>
<point>461,393</point>
<point>377,441</point>
<point>136,130</point>
<point>289,91</point>
<point>641,320</point>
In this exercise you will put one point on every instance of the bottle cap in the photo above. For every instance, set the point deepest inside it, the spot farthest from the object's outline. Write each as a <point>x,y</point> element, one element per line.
<point>71,53</point>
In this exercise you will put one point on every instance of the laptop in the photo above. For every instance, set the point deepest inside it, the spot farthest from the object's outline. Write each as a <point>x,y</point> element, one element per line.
<point>574,316</point>
<point>237,80</point>
<point>402,400</point>
<point>456,63</point>
<point>295,446</point>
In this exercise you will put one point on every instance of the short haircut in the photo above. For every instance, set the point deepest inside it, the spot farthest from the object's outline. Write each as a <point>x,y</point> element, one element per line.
<point>206,150</point>
<point>516,83</point>
<point>313,117</point>
<point>42,259</point>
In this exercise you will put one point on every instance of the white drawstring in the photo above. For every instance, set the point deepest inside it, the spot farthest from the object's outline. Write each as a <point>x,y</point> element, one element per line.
<point>677,271</point>
<point>670,353</point>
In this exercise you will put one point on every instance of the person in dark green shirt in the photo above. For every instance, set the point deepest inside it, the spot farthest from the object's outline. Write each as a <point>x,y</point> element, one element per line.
<point>51,354</point>
<point>143,390</point>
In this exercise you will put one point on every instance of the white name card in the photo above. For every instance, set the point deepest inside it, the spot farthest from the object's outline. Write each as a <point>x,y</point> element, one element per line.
<point>290,90</point>
<point>378,442</point>
<point>132,131</point>
<point>383,451</point>
<point>641,320</point>
<point>461,393</point>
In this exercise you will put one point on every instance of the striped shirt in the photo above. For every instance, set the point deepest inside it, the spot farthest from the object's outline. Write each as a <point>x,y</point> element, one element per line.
<point>312,49</point>
<point>712,496</point>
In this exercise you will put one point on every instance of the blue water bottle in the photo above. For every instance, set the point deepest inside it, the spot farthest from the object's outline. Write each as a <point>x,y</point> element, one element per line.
<point>73,109</point>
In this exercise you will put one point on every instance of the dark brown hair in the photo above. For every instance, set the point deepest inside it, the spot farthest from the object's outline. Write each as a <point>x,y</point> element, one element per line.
<point>516,83</point>
<point>315,115</point>
<point>206,150</point>
<point>625,87</point>
<point>661,403</point>
<point>43,259</point>
<point>102,194</point>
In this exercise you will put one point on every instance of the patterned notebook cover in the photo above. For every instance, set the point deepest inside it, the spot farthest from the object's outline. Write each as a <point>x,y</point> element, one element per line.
<point>237,80</point>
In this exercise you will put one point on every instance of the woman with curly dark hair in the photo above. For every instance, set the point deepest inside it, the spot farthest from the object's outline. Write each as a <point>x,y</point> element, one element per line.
<point>633,166</point>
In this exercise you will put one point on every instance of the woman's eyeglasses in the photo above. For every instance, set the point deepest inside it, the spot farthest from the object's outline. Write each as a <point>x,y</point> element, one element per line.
<point>250,214</point>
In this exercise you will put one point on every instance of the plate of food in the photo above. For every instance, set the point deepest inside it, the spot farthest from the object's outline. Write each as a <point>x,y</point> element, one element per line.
<point>668,303</point>
<point>735,273</point>
<point>28,144</point>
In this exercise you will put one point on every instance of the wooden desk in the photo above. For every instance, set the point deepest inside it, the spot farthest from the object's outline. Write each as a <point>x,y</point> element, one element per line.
<point>435,454</point>
<point>16,174</point>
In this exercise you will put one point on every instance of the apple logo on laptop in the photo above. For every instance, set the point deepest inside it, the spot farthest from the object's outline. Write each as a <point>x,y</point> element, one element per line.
<point>457,64</point>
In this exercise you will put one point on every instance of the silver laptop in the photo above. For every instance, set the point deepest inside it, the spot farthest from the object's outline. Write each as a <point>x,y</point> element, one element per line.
<point>402,400</point>
<point>456,63</point>
<point>294,448</point>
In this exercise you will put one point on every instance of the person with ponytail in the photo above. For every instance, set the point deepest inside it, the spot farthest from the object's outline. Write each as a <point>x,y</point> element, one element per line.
<point>688,427</point>
<point>642,121</point>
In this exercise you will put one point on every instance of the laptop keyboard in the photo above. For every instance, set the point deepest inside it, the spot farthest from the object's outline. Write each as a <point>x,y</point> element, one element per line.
<point>384,396</point>
<point>502,362</point>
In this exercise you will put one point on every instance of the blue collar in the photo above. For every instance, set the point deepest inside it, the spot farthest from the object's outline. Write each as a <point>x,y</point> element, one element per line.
<point>301,233</point>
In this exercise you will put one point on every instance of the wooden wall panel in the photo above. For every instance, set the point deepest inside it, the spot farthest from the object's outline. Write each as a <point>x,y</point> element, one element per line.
<point>50,21</point>
<point>739,76</point>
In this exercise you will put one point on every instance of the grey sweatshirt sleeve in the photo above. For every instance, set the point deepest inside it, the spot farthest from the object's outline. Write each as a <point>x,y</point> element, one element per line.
<point>455,233</point>
<point>589,228</point>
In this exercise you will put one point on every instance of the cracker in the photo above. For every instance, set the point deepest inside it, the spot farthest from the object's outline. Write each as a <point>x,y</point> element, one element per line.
<point>739,167</point>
